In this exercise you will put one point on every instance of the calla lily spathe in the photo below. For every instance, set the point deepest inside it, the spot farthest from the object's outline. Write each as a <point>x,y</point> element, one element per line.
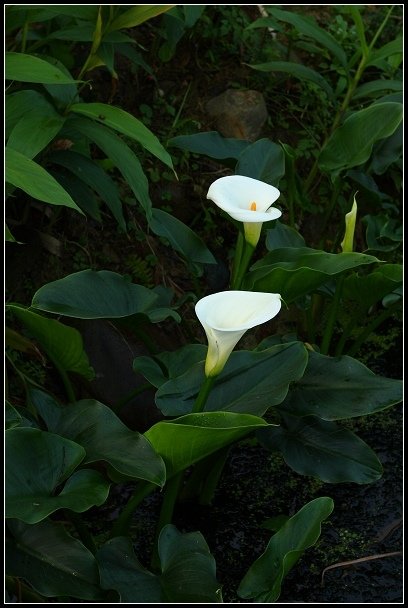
<point>350,219</point>
<point>246,200</point>
<point>226,316</point>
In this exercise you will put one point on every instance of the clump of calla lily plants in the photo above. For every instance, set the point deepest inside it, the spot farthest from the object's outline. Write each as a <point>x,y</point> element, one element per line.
<point>211,396</point>
<point>288,392</point>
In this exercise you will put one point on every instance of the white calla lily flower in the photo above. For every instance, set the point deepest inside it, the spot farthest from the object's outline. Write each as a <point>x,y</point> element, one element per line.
<point>226,316</point>
<point>246,200</point>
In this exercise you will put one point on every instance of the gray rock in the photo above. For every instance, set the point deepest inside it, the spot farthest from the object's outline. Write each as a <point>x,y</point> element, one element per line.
<point>239,114</point>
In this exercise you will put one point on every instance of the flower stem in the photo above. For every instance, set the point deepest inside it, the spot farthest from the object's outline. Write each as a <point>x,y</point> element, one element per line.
<point>346,333</point>
<point>371,327</point>
<point>121,526</point>
<point>237,258</point>
<point>243,266</point>
<point>203,394</point>
<point>174,484</point>
<point>23,594</point>
<point>166,513</point>
<point>333,313</point>
<point>84,534</point>
<point>213,477</point>
<point>65,379</point>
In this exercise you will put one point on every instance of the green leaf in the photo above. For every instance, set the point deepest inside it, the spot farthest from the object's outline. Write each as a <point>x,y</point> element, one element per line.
<point>187,570</point>
<point>63,95</point>
<point>21,103</point>
<point>387,151</point>
<point>52,561</point>
<point>250,383</point>
<point>80,193</point>
<point>80,33</point>
<point>137,15</point>
<point>120,570</point>
<point>263,160</point>
<point>34,132</point>
<point>360,28</point>
<point>125,123</point>
<point>369,289</point>
<point>103,436</point>
<point>62,344</point>
<point>297,271</point>
<point>188,439</point>
<point>37,462</point>
<point>351,144</point>
<point>24,173</point>
<point>311,446</point>
<point>282,235</point>
<point>340,388</point>
<point>264,578</point>
<point>28,68</point>
<point>11,418</point>
<point>374,88</point>
<point>383,233</point>
<point>192,13</point>
<point>91,294</point>
<point>121,156</point>
<point>175,363</point>
<point>87,12</point>
<point>298,71</point>
<point>211,144</point>
<point>308,27</point>
<point>181,237</point>
<point>394,47</point>
<point>8,237</point>
<point>96,178</point>
<point>16,341</point>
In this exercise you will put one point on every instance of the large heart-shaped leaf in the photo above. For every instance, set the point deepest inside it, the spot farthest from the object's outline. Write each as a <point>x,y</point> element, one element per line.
<point>369,289</point>
<point>187,570</point>
<point>251,382</point>
<point>311,446</point>
<point>294,272</point>
<point>180,237</point>
<point>37,462</point>
<point>188,439</point>
<point>210,144</point>
<point>351,143</point>
<point>169,364</point>
<point>51,561</point>
<point>263,160</point>
<point>263,580</point>
<point>62,344</point>
<point>340,388</point>
<point>91,294</point>
<point>103,436</point>
<point>282,235</point>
